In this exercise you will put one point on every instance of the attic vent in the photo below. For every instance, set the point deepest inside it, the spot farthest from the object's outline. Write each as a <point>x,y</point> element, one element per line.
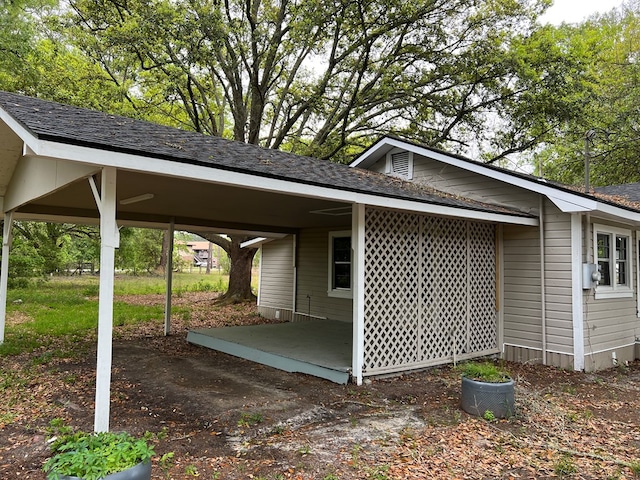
<point>400,163</point>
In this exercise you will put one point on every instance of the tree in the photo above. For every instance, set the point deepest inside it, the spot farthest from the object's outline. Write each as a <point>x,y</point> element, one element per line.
<point>319,78</point>
<point>607,128</point>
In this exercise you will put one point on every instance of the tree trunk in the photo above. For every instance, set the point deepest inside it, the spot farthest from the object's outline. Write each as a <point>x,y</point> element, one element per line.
<point>241,260</point>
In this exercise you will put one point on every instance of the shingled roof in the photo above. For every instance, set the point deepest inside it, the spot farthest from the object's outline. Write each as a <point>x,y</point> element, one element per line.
<point>66,124</point>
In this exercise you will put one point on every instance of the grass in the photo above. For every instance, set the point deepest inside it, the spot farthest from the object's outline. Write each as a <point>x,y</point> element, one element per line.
<point>66,308</point>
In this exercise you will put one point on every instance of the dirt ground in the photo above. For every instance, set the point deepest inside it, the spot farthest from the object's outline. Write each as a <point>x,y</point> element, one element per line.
<point>220,417</point>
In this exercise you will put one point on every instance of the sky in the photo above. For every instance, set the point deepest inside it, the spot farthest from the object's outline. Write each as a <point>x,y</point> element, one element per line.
<point>573,11</point>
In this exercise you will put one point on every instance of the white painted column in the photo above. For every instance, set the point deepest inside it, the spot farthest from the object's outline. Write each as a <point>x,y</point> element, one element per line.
<point>576,291</point>
<point>169,272</point>
<point>109,241</point>
<point>7,237</point>
<point>357,263</point>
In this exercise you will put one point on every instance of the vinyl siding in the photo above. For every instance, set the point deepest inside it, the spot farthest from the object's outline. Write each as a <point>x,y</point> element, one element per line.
<point>558,279</point>
<point>312,297</point>
<point>610,323</point>
<point>522,286</point>
<point>471,185</point>
<point>522,326</point>
<point>277,274</point>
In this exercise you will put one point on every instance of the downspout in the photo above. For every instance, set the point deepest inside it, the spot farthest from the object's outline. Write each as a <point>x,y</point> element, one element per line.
<point>543,286</point>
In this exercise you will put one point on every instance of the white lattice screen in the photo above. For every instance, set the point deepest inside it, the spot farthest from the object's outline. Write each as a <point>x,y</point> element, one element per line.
<point>429,290</point>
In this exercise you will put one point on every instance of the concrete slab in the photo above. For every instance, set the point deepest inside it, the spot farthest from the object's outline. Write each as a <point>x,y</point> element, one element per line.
<point>321,348</point>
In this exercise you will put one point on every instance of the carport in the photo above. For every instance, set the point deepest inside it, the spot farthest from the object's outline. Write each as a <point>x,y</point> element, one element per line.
<point>65,164</point>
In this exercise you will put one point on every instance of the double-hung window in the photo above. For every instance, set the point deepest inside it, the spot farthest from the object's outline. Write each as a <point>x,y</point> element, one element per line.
<point>613,251</point>
<point>340,264</point>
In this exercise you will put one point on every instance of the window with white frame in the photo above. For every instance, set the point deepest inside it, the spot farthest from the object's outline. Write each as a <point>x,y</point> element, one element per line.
<point>340,264</point>
<point>613,252</point>
<point>400,163</point>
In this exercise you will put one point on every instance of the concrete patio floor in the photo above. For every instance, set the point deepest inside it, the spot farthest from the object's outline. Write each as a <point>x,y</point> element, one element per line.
<point>321,348</point>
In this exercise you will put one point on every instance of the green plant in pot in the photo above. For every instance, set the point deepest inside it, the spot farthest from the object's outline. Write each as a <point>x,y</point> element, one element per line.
<point>95,456</point>
<point>487,390</point>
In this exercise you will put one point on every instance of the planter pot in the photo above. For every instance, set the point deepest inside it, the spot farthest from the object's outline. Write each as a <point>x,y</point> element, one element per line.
<point>479,397</point>
<point>141,471</point>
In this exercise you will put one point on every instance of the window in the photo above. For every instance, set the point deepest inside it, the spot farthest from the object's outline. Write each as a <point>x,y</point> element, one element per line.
<point>400,163</point>
<point>340,264</point>
<point>613,251</point>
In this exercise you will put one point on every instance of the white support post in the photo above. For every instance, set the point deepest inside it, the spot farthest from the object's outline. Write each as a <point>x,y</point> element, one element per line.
<point>109,241</point>
<point>357,245</point>
<point>169,272</point>
<point>7,236</point>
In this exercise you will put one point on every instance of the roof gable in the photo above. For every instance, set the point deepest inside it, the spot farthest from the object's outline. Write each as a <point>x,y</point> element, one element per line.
<point>566,198</point>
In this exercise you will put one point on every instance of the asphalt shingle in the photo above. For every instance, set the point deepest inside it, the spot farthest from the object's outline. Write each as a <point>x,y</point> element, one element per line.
<point>77,126</point>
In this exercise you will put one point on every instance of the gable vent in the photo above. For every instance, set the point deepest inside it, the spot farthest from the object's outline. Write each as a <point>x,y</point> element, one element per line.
<point>400,164</point>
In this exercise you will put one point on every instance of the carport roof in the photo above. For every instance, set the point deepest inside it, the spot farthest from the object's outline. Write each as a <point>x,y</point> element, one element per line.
<point>63,124</point>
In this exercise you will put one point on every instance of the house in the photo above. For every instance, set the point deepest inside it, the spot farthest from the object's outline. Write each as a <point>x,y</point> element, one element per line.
<point>407,258</point>
<point>562,290</point>
<point>196,253</point>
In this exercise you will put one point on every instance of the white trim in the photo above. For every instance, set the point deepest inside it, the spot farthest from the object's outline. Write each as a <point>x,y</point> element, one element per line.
<point>389,163</point>
<point>218,176</point>
<point>637,261</point>
<point>169,281</point>
<point>614,290</point>
<point>566,201</point>
<point>108,244</point>
<point>538,349</point>
<point>576,291</point>
<point>7,237</point>
<point>338,292</point>
<point>358,284</point>
<point>611,349</point>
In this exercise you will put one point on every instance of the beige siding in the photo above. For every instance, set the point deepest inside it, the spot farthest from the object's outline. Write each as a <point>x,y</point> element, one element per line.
<point>611,324</point>
<point>313,278</point>
<point>277,274</point>
<point>559,307</point>
<point>468,184</point>
<point>522,285</point>
<point>522,324</point>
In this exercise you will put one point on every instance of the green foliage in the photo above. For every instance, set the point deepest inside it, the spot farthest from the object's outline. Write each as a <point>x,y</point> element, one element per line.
<point>603,115</point>
<point>484,372</point>
<point>565,466</point>
<point>92,456</point>
<point>489,416</point>
<point>140,250</point>
<point>250,419</point>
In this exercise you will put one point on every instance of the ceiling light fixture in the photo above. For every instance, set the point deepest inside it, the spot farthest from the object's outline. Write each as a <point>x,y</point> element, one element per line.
<point>139,198</point>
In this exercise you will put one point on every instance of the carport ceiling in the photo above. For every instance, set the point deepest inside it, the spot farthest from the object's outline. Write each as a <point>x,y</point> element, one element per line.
<point>191,204</point>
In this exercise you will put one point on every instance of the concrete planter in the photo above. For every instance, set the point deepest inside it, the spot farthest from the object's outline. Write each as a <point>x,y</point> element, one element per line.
<point>480,397</point>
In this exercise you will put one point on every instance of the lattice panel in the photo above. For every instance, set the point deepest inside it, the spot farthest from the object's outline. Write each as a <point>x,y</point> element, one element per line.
<point>482,287</point>
<point>444,316</point>
<point>392,286</point>
<point>429,289</point>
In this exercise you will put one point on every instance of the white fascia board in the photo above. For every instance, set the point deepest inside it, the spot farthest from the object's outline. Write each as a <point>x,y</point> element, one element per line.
<point>24,134</point>
<point>572,207</point>
<point>574,202</point>
<point>225,177</point>
<point>374,153</point>
<point>624,215</point>
<point>256,242</point>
